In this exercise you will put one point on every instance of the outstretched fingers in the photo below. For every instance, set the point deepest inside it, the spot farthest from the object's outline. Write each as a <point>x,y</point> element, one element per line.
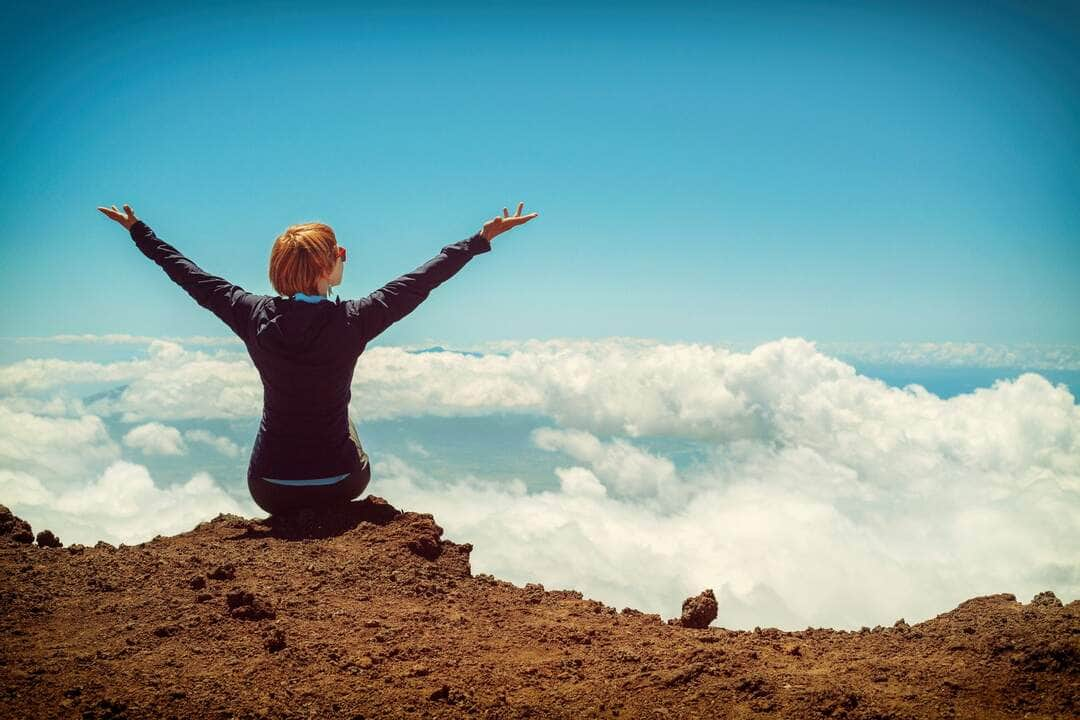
<point>126,218</point>
<point>506,213</point>
<point>519,219</point>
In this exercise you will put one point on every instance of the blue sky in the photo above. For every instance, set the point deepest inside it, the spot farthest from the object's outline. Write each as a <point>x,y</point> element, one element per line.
<point>856,172</point>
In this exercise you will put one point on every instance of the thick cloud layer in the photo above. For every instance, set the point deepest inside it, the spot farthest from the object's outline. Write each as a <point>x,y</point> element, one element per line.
<point>821,497</point>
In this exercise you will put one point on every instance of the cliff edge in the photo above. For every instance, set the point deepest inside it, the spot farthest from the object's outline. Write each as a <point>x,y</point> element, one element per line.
<point>370,613</point>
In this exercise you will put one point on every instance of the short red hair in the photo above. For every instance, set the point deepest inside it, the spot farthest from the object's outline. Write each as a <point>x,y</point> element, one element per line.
<point>301,255</point>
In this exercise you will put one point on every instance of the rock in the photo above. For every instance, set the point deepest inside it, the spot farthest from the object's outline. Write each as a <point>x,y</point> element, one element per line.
<point>223,572</point>
<point>274,640</point>
<point>166,630</point>
<point>534,593</point>
<point>426,535</point>
<point>699,611</point>
<point>680,675</point>
<point>1046,599</point>
<point>245,605</point>
<point>426,547</point>
<point>102,545</point>
<point>45,538</point>
<point>196,582</point>
<point>15,527</point>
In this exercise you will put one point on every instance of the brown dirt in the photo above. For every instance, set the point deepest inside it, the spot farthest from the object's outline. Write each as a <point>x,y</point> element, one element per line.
<point>371,614</point>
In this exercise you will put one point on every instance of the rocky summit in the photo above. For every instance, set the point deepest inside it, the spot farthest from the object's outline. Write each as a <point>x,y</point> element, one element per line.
<point>369,612</point>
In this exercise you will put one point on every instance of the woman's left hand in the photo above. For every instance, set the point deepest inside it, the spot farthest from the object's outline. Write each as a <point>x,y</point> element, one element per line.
<point>126,220</point>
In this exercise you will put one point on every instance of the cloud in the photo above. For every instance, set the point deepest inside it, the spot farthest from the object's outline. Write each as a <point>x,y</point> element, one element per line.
<point>155,439</point>
<point>175,384</point>
<point>959,354</point>
<point>122,505</point>
<point>615,385</point>
<point>56,448</point>
<point>124,339</point>
<point>1033,356</point>
<point>629,471</point>
<point>18,488</point>
<point>223,445</point>
<point>812,487</point>
<point>579,481</point>
<point>38,374</point>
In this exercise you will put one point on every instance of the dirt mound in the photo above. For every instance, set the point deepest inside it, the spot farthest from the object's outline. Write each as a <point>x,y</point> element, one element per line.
<point>370,613</point>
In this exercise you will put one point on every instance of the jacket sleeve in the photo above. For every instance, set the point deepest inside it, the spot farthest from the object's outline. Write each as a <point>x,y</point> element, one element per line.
<point>393,301</point>
<point>231,303</point>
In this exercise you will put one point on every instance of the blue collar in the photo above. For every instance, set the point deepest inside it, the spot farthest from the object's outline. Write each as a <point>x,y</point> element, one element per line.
<point>310,298</point>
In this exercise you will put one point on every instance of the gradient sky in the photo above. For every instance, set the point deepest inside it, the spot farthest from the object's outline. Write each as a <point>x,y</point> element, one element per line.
<point>849,172</point>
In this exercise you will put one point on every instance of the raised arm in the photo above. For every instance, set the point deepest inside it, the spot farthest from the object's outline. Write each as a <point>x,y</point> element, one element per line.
<point>371,315</point>
<point>231,303</point>
<point>384,307</point>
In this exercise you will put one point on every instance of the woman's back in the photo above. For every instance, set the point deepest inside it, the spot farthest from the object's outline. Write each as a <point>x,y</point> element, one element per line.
<point>305,354</point>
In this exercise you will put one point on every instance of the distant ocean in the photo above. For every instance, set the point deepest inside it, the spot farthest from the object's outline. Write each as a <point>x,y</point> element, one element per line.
<point>946,382</point>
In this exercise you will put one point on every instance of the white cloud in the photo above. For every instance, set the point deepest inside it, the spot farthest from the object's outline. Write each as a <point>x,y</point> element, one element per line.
<point>124,339</point>
<point>959,354</point>
<point>18,488</point>
<point>155,439</point>
<point>818,484</point>
<point>123,505</point>
<point>223,445</point>
<point>37,374</point>
<point>816,487</point>
<point>57,448</point>
<point>1044,356</point>
<point>59,405</point>
<point>175,384</point>
<point>626,469</point>
<point>581,482</point>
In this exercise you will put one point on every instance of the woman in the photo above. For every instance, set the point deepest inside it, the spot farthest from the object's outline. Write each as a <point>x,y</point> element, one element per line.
<point>305,346</point>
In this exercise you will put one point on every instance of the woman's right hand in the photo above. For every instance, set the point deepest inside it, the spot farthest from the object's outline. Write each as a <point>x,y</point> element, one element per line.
<point>498,225</point>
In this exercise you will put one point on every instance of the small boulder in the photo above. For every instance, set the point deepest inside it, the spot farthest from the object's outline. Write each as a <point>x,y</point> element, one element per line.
<point>274,640</point>
<point>246,605</point>
<point>1047,598</point>
<point>699,611</point>
<point>223,572</point>
<point>45,538</point>
<point>14,526</point>
<point>426,535</point>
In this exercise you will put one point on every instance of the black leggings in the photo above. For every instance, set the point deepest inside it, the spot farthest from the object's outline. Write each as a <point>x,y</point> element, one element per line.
<point>278,499</point>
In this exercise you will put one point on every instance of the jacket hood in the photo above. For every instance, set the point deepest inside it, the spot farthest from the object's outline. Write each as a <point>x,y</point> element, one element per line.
<point>290,325</point>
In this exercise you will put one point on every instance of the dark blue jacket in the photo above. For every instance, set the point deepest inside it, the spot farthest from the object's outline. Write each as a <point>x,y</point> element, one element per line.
<point>305,352</point>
